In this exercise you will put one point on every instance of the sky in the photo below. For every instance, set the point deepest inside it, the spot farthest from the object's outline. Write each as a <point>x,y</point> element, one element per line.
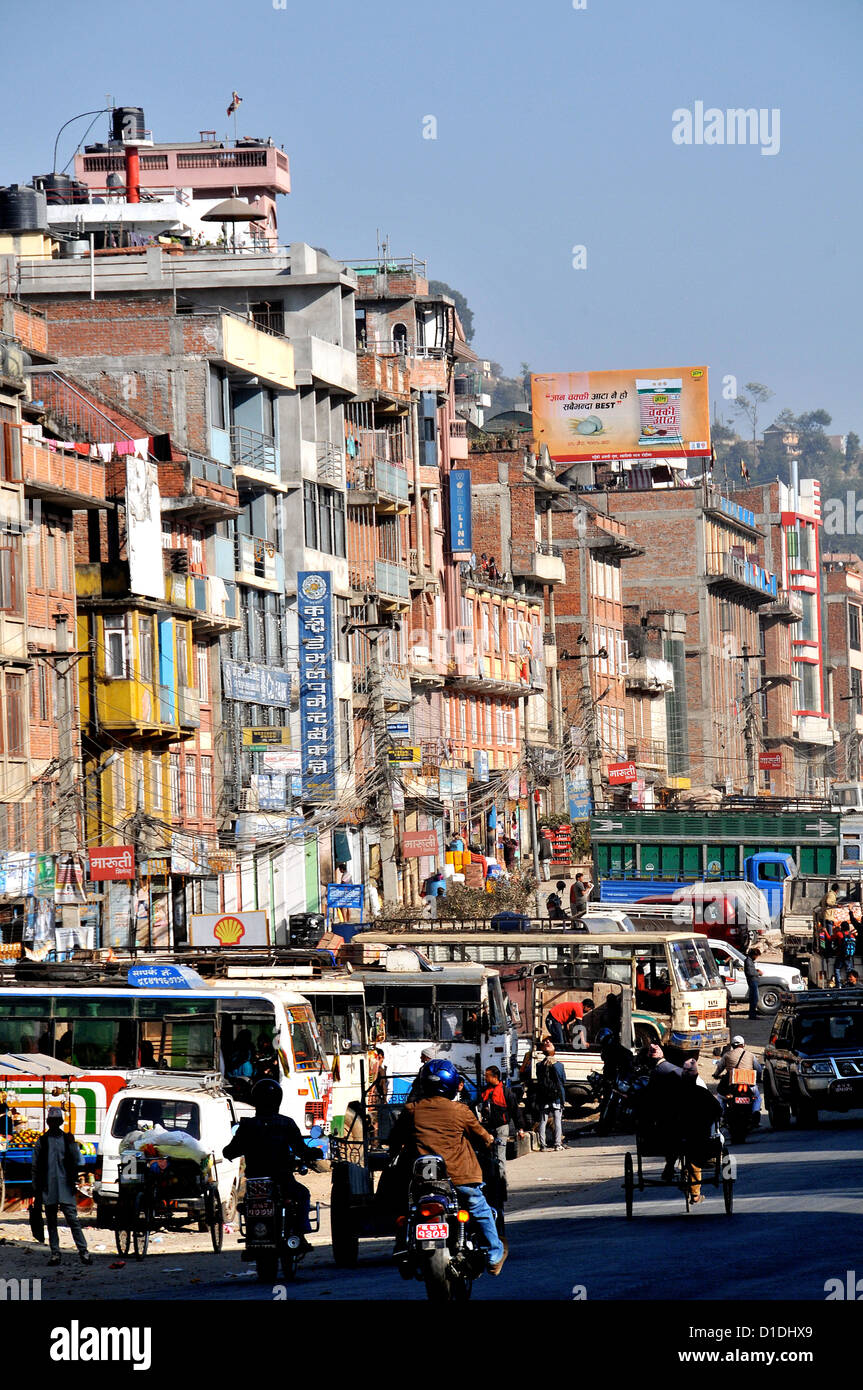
<point>554,130</point>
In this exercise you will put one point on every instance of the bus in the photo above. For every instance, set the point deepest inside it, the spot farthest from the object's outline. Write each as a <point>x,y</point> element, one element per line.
<point>458,1012</point>
<point>339,1005</point>
<point>251,1032</point>
<point>676,990</point>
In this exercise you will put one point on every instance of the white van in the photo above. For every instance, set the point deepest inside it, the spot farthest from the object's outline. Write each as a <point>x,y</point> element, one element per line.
<point>198,1105</point>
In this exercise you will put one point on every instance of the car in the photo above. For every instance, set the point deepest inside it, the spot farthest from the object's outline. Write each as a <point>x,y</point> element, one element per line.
<point>814,1059</point>
<point>606,918</point>
<point>773,978</point>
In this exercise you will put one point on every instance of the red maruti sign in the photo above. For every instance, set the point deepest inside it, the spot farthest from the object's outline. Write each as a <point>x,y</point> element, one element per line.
<point>618,773</point>
<point>416,843</point>
<point>768,762</point>
<point>112,862</point>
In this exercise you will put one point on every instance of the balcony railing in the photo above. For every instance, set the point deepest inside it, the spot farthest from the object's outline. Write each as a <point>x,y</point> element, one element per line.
<point>73,413</point>
<point>331,464</point>
<point>209,471</point>
<point>647,752</point>
<point>392,581</point>
<point>458,429</point>
<point>481,579</point>
<point>251,449</point>
<point>254,556</point>
<point>378,475</point>
<point>744,572</point>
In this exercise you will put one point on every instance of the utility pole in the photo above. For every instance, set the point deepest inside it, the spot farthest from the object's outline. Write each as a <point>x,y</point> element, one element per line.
<point>747,702</point>
<point>67,821</point>
<point>389,869</point>
<point>594,763</point>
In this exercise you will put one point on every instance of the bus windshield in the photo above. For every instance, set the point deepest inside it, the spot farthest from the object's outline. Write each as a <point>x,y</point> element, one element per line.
<point>690,970</point>
<point>304,1038</point>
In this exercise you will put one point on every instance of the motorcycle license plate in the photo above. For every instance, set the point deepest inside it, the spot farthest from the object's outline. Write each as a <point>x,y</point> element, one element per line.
<point>741,1100</point>
<point>259,1209</point>
<point>433,1230</point>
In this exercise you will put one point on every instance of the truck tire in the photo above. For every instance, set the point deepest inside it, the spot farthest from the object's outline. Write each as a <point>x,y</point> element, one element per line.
<point>577,1097</point>
<point>780,1115</point>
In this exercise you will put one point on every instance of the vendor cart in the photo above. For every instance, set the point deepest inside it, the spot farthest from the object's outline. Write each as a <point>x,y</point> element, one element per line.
<point>164,1193</point>
<point>31,1083</point>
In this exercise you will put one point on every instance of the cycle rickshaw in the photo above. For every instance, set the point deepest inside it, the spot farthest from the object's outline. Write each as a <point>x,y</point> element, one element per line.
<point>710,1154</point>
<point>158,1193</point>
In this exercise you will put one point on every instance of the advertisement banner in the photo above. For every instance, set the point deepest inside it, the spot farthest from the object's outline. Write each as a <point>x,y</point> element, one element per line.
<point>639,415</point>
<point>317,724</point>
<point>259,685</point>
<point>418,843</point>
<point>287,760</point>
<point>111,862</point>
<point>69,888</point>
<point>229,929</point>
<point>619,773</point>
<point>267,736</point>
<point>271,789</point>
<point>45,876</point>
<point>579,798</point>
<point>144,528</point>
<point>410,757</point>
<point>459,510</point>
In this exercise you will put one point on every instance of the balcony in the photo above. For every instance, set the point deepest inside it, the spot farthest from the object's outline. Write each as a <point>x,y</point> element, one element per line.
<point>131,706</point>
<point>378,483</point>
<point>737,577</point>
<point>542,563</point>
<point>481,579</point>
<point>248,348</point>
<point>210,602</point>
<point>256,562</point>
<point>647,753</point>
<point>66,479</point>
<point>458,441</point>
<point>649,674</point>
<point>329,363</point>
<point>788,607</point>
<point>208,492</point>
<point>241,168</point>
<point>487,675</point>
<point>330,459</point>
<point>393,584</point>
<point>253,454</point>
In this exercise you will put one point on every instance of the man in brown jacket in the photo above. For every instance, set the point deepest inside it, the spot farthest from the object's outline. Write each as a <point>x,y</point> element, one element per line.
<point>436,1125</point>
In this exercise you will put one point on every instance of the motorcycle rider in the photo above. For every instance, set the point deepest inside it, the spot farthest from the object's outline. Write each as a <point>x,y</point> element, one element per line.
<point>270,1144</point>
<point>737,1054</point>
<point>435,1125</point>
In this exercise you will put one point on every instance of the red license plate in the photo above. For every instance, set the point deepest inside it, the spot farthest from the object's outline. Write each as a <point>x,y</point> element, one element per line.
<point>433,1230</point>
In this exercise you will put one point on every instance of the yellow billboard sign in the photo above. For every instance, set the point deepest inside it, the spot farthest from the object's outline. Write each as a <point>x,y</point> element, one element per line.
<point>658,413</point>
<point>267,736</point>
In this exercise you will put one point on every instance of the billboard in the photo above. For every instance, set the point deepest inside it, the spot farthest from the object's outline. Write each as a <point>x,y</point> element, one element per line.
<point>639,415</point>
<point>317,725</point>
<point>112,862</point>
<point>770,762</point>
<point>459,510</point>
<point>228,929</point>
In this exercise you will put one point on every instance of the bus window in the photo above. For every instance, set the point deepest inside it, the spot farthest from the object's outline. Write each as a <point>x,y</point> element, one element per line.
<point>340,1016</point>
<point>407,1013</point>
<point>689,969</point>
<point>618,965</point>
<point>25,1027</point>
<point>95,1033</point>
<point>304,1038</point>
<point>458,1008</point>
<point>497,1005</point>
<point>652,979</point>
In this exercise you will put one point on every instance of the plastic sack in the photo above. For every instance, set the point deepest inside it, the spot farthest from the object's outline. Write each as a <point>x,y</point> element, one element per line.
<point>167,1143</point>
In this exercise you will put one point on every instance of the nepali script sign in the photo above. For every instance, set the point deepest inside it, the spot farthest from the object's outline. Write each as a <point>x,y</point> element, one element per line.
<point>111,862</point>
<point>317,726</point>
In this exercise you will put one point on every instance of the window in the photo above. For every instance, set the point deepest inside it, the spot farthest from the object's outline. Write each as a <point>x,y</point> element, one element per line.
<point>855,691</point>
<point>854,627</point>
<point>10,453</point>
<point>145,648</point>
<point>310,514</point>
<point>206,787</point>
<point>217,399</point>
<point>16,721</point>
<point>175,784</point>
<point>10,573</point>
<point>343,641</point>
<point>157,767</point>
<point>202,663</point>
<point>116,646</point>
<point>340,1016</point>
<point>41,700</point>
<point>809,626</point>
<point>167,535</point>
<point>182,654</point>
<point>118,784</point>
<point>809,696</point>
<point>197,546</point>
<point>191,786</point>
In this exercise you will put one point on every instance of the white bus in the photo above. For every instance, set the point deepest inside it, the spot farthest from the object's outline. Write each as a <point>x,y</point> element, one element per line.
<point>245,1033</point>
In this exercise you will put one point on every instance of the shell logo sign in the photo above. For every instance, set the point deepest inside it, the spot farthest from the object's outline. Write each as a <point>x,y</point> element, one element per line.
<point>229,929</point>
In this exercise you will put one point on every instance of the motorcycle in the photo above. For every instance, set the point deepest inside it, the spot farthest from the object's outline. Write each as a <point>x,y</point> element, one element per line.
<point>271,1228</point>
<point>617,1098</point>
<point>739,1105</point>
<point>437,1241</point>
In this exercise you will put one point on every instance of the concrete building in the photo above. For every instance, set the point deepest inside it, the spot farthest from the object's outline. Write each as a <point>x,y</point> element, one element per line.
<point>843,632</point>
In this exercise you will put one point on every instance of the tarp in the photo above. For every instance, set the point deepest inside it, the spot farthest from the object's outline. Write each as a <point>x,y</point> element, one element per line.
<point>36,1064</point>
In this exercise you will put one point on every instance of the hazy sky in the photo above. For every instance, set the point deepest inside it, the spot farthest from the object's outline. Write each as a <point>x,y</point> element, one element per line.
<point>554,130</point>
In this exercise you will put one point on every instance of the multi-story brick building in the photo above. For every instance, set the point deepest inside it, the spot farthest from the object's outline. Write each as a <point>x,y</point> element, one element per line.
<point>843,635</point>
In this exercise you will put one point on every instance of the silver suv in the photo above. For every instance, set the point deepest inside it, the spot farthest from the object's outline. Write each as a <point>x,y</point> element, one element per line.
<point>814,1059</point>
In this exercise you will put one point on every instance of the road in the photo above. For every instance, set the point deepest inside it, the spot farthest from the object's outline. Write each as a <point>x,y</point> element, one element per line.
<point>798,1221</point>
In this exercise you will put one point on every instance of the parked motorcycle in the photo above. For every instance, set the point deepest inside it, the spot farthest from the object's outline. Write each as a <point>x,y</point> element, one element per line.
<point>740,1104</point>
<point>437,1240</point>
<point>617,1099</point>
<point>271,1227</point>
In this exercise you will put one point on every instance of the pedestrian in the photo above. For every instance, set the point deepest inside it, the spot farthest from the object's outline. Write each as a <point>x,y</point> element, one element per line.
<point>546,853</point>
<point>554,905</point>
<point>853,980</point>
<point>699,1113</point>
<point>550,1094</point>
<point>840,963</point>
<point>56,1160</point>
<point>579,896</point>
<point>509,848</point>
<point>499,1115</point>
<point>750,970</point>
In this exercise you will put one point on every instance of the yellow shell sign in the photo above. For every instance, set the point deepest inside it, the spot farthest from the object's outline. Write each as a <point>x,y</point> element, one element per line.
<point>228,931</point>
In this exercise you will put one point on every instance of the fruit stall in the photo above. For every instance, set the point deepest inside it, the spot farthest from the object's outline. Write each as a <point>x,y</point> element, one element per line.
<point>31,1084</point>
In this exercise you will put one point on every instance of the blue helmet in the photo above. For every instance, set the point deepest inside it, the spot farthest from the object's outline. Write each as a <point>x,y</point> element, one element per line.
<point>604,1036</point>
<point>439,1078</point>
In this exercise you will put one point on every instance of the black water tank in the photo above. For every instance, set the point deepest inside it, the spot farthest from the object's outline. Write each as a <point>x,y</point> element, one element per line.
<point>22,209</point>
<point>127,123</point>
<point>61,188</point>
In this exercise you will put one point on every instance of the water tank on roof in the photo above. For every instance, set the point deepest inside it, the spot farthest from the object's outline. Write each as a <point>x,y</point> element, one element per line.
<point>127,123</point>
<point>61,188</point>
<point>22,209</point>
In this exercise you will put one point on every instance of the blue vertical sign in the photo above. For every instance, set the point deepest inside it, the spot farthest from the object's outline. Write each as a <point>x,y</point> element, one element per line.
<point>459,509</point>
<point>317,725</point>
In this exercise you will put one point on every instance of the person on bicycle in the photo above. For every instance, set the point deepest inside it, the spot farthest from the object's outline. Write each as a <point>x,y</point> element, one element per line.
<point>272,1145</point>
<point>435,1125</point>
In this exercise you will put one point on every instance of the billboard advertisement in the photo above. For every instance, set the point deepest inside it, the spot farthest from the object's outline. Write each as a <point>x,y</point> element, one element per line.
<point>459,510</point>
<point>317,725</point>
<point>228,929</point>
<point>656,413</point>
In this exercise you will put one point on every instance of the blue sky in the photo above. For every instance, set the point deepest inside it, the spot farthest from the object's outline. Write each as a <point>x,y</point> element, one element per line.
<point>553,130</point>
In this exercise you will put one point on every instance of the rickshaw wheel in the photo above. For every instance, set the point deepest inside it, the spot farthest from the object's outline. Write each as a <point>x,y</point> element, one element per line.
<point>628,1182</point>
<point>141,1221</point>
<point>728,1194</point>
<point>215,1221</point>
